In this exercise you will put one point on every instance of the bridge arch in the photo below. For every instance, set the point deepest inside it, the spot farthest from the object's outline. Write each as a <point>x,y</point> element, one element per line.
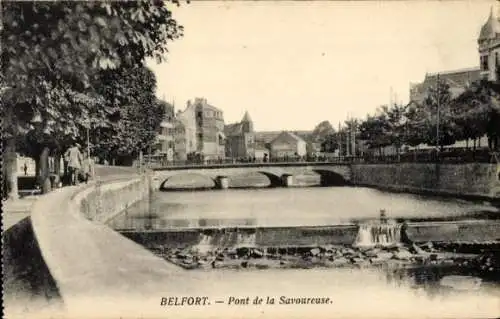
<point>210,181</point>
<point>274,179</point>
<point>331,178</point>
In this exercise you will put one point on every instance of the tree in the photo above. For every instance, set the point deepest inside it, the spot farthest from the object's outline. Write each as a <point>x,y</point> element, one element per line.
<point>415,125</point>
<point>325,135</point>
<point>134,113</point>
<point>478,112</point>
<point>321,131</point>
<point>396,125</point>
<point>61,47</point>
<point>438,116</point>
<point>374,130</point>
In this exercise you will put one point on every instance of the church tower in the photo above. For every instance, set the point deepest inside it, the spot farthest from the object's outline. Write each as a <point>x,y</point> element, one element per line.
<point>247,123</point>
<point>489,46</point>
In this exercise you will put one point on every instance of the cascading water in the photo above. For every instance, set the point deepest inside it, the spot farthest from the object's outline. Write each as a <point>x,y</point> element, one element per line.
<point>205,244</point>
<point>378,234</point>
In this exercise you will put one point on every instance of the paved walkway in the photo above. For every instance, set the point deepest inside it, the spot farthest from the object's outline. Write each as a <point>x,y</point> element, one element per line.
<point>15,211</point>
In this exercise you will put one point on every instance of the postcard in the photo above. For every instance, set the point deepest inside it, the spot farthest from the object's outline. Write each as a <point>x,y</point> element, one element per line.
<point>250,159</point>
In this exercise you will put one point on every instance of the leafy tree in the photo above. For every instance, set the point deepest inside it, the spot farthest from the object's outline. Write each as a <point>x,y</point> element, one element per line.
<point>374,130</point>
<point>415,126</point>
<point>325,135</point>
<point>134,113</point>
<point>321,131</point>
<point>438,116</point>
<point>396,125</point>
<point>478,112</point>
<point>52,48</point>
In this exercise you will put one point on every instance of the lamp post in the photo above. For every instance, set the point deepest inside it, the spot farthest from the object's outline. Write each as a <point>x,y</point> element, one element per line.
<point>437,116</point>
<point>340,142</point>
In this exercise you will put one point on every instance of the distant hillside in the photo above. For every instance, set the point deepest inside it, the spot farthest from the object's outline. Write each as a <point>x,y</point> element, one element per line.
<point>268,136</point>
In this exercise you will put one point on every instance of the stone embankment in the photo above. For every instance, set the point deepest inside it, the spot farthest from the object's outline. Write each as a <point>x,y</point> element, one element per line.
<point>475,180</point>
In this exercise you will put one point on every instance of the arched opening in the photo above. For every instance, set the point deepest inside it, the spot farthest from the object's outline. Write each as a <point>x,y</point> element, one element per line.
<point>275,180</point>
<point>329,178</point>
<point>187,181</point>
<point>251,179</point>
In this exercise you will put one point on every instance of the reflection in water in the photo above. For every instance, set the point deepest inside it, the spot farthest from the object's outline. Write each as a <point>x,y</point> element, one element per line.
<point>290,207</point>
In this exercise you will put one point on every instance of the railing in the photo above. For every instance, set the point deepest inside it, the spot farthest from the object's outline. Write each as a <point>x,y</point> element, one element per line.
<point>448,156</point>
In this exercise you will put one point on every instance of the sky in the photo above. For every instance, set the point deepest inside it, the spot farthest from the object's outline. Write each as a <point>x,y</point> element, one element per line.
<point>292,65</point>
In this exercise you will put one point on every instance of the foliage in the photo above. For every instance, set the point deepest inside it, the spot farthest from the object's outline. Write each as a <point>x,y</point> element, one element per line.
<point>133,113</point>
<point>478,111</point>
<point>55,53</point>
<point>325,135</point>
<point>374,130</point>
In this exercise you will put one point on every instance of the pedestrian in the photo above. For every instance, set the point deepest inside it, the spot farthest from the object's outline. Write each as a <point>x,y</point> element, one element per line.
<point>86,167</point>
<point>74,157</point>
<point>25,167</point>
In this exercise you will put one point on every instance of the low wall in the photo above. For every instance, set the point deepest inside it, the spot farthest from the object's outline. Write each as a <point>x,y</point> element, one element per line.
<point>103,202</point>
<point>92,263</point>
<point>469,232</point>
<point>473,179</point>
<point>481,231</point>
<point>265,236</point>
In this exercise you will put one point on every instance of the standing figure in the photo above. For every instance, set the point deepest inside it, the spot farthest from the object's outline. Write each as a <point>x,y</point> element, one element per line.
<point>87,167</point>
<point>25,167</point>
<point>74,157</point>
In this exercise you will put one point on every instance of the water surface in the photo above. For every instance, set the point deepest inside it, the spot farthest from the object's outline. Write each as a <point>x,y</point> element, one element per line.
<point>291,207</point>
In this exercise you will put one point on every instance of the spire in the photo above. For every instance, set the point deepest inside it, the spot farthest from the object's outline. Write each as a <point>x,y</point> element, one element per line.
<point>246,117</point>
<point>492,26</point>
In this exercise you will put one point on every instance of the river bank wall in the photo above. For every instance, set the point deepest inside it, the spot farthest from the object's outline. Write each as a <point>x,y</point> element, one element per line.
<point>471,180</point>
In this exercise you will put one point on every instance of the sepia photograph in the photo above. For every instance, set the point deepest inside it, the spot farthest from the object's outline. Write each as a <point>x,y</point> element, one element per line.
<point>250,159</point>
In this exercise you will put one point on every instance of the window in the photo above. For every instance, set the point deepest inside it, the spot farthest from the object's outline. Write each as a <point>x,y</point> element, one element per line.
<point>484,63</point>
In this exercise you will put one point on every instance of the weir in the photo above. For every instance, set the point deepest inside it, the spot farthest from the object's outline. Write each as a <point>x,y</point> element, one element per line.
<point>374,234</point>
<point>205,244</point>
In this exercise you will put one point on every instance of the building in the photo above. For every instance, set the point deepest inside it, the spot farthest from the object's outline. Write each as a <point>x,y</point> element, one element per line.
<point>210,138</point>
<point>458,80</point>
<point>489,47</point>
<point>165,138</point>
<point>267,136</point>
<point>180,141</point>
<point>287,144</point>
<point>185,131</point>
<point>240,138</point>
<point>260,151</point>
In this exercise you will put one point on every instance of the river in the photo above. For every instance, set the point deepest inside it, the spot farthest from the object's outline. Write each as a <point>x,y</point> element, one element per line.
<point>292,207</point>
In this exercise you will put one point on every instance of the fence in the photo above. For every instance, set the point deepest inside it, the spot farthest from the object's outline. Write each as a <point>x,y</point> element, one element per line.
<point>448,156</point>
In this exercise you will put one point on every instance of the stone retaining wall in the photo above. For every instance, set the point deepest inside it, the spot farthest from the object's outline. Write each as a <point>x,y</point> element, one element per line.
<point>472,179</point>
<point>102,202</point>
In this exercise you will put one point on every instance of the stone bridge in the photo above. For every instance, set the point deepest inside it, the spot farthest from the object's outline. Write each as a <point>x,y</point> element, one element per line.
<point>279,174</point>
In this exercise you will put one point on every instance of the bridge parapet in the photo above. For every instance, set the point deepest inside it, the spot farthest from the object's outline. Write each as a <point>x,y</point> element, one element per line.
<point>278,174</point>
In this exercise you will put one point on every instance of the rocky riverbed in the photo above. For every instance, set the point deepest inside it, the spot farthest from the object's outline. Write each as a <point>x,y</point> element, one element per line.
<point>484,261</point>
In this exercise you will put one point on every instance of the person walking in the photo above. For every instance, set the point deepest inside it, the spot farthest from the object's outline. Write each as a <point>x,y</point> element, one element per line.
<point>87,167</point>
<point>74,157</point>
<point>25,167</point>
